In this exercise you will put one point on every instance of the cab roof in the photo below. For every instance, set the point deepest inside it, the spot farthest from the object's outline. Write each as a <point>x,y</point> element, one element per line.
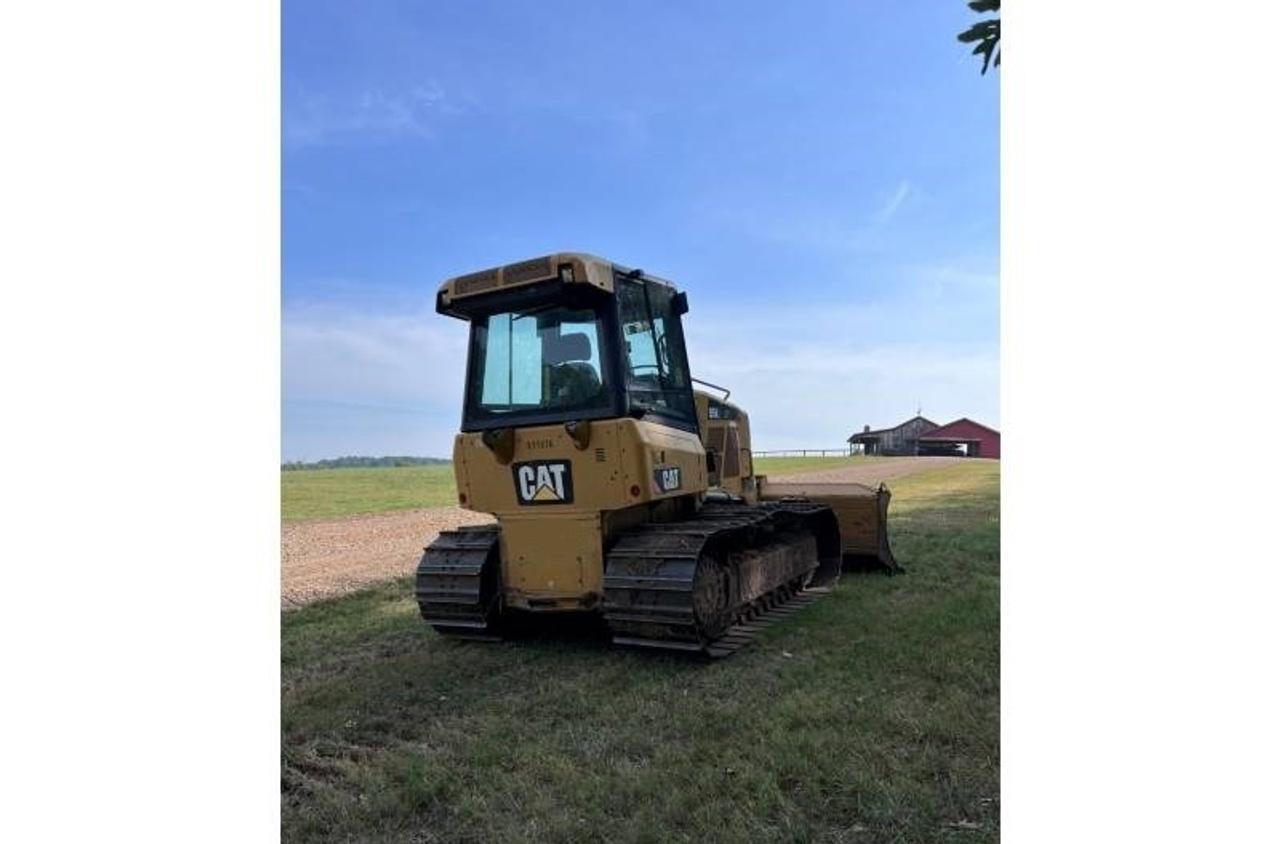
<point>565,267</point>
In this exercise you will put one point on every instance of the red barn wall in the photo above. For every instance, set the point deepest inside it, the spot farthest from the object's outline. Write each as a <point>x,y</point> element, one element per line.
<point>963,429</point>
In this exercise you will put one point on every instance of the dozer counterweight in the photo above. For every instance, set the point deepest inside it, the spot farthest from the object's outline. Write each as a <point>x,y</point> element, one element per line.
<point>618,489</point>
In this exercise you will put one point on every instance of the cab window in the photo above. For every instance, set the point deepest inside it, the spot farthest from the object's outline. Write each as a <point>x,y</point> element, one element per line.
<point>537,362</point>
<point>657,377</point>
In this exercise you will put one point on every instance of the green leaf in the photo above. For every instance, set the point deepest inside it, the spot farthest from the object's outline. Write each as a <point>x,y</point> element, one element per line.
<point>985,33</point>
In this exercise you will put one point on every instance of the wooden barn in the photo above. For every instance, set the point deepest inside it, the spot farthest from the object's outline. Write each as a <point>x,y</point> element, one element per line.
<point>899,440</point>
<point>963,436</point>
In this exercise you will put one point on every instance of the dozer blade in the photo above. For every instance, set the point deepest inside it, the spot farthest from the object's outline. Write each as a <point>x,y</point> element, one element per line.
<point>861,511</point>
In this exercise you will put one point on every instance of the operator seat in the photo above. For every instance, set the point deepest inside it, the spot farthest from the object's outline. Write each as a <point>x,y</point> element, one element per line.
<point>571,379</point>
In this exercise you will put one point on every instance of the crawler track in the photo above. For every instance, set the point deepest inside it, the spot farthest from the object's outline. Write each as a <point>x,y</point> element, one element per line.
<point>457,583</point>
<point>709,583</point>
<point>751,621</point>
<point>704,585</point>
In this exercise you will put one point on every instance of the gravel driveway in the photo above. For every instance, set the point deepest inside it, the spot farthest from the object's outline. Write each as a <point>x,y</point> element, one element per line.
<point>324,559</point>
<point>330,558</point>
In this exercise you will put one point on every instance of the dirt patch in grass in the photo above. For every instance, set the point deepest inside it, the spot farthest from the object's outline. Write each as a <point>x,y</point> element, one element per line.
<point>330,558</point>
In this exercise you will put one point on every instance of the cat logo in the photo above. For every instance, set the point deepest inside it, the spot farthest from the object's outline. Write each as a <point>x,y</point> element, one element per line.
<point>543,482</point>
<point>666,478</point>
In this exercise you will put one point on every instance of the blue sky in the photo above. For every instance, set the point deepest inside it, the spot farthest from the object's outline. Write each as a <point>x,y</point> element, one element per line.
<point>821,177</point>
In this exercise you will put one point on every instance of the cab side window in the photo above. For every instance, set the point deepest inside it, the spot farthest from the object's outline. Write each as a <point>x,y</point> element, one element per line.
<point>657,380</point>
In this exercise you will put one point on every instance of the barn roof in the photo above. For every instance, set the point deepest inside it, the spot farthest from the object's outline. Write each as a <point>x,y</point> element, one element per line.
<point>857,435</point>
<point>947,431</point>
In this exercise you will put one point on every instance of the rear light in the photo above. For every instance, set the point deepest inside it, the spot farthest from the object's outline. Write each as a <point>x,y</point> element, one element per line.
<point>635,491</point>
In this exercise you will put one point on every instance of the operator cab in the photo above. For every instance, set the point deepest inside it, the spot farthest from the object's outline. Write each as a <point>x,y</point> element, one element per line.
<point>571,337</point>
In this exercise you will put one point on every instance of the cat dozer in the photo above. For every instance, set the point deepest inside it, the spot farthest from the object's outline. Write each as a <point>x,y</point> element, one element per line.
<point>619,489</point>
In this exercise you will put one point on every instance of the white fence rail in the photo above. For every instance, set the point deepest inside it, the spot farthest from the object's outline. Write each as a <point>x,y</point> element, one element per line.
<point>805,452</point>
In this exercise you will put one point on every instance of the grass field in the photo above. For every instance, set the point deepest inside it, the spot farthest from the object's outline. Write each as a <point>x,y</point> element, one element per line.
<point>334,493</point>
<point>872,715</point>
<point>784,465</point>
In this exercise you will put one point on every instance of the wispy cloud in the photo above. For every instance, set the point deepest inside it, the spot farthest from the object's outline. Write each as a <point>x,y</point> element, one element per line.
<point>815,376</point>
<point>939,281</point>
<point>842,227</point>
<point>390,381</point>
<point>379,357</point>
<point>320,118</point>
<point>886,211</point>
<point>385,381</point>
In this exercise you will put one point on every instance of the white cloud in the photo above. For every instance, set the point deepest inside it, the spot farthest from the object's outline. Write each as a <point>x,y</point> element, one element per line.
<point>385,381</point>
<point>380,382</point>
<point>332,354</point>
<point>809,379</point>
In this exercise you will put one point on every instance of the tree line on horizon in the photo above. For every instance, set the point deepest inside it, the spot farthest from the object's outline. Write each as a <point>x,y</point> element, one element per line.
<point>354,462</point>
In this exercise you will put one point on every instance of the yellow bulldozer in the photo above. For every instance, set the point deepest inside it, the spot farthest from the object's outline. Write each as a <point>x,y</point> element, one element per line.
<point>620,491</point>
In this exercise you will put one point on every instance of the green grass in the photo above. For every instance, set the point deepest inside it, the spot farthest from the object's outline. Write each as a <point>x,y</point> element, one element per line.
<point>783,465</point>
<point>334,493</point>
<point>872,715</point>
